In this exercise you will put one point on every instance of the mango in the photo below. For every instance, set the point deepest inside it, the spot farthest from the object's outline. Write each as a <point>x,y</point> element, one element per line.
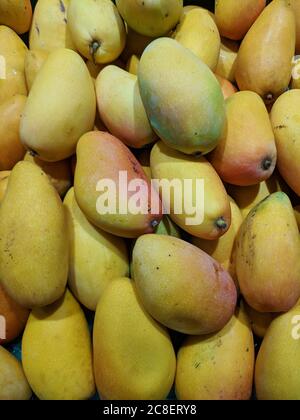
<point>13,383</point>
<point>268,231</point>
<point>48,127</point>
<point>227,60</point>
<point>151,18</point>
<point>276,372</point>
<point>12,55</point>
<point>259,321</point>
<point>34,242</point>
<point>16,14</point>
<point>285,119</point>
<point>295,5</point>
<point>97,29</point>
<point>4,175</point>
<point>57,352</point>
<point>265,56</point>
<point>34,61</point>
<point>11,148</point>
<point>201,302</point>
<point>198,32</point>
<point>297,215</point>
<point>167,227</point>
<point>132,65</point>
<point>218,366</point>
<point>234,19</point>
<point>110,211</point>
<point>49,29</point>
<point>193,129</point>
<point>201,211</point>
<point>135,359</point>
<point>238,159</point>
<point>228,89</point>
<point>121,107</point>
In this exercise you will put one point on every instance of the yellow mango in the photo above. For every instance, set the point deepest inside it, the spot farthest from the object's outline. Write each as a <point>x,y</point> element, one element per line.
<point>268,275</point>
<point>285,119</point>
<point>198,32</point>
<point>168,164</point>
<point>4,175</point>
<point>51,125</point>
<point>57,352</point>
<point>16,14</point>
<point>121,107</point>
<point>295,5</point>
<point>201,302</point>
<point>227,59</point>
<point>12,56</point>
<point>133,355</point>
<point>259,321</point>
<point>132,65</point>
<point>228,89</point>
<point>34,61</point>
<point>265,56</point>
<point>219,366</point>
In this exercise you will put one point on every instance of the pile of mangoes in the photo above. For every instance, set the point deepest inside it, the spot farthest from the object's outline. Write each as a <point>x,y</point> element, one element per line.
<point>164,90</point>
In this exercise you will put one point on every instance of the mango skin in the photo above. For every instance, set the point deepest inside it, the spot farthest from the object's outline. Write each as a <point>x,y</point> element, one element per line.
<point>297,214</point>
<point>52,135</point>
<point>34,245</point>
<point>4,175</point>
<point>228,89</point>
<point>57,352</point>
<point>218,366</point>
<point>135,359</point>
<point>234,19</point>
<point>132,65</point>
<point>285,119</point>
<point>259,321</point>
<point>198,32</point>
<point>16,14</point>
<point>159,270</point>
<point>13,51</point>
<point>121,107</point>
<point>268,231</point>
<point>169,164</point>
<point>167,227</point>
<point>49,29</point>
<point>276,373</point>
<point>115,157</point>
<point>242,158</point>
<point>189,81</point>
<point>96,257</point>
<point>265,56</point>
<point>11,148</point>
<point>227,60</point>
<point>13,383</point>
<point>295,5</point>
<point>34,61</point>
<point>151,18</point>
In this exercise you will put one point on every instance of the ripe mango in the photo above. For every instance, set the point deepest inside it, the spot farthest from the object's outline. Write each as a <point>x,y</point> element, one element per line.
<point>219,366</point>
<point>268,232</point>
<point>246,153</point>
<point>57,352</point>
<point>16,14</point>
<point>259,321</point>
<point>167,227</point>
<point>34,242</point>
<point>34,61</point>
<point>4,175</point>
<point>133,354</point>
<point>297,214</point>
<point>285,118</point>
<point>228,89</point>
<point>168,164</point>
<point>115,157</point>
<point>132,65</point>
<point>295,5</point>
<point>201,302</point>
<point>265,56</point>
<point>227,60</point>
<point>51,125</point>
<point>170,76</point>
<point>121,107</point>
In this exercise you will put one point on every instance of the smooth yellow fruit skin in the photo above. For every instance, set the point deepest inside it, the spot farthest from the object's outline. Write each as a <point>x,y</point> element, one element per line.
<point>34,61</point>
<point>218,366</point>
<point>266,234</point>
<point>97,29</point>
<point>297,214</point>
<point>16,14</point>
<point>49,29</point>
<point>132,65</point>
<point>12,54</point>
<point>57,352</point>
<point>198,32</point>
<point>259,321</point>
<point>285,119</point>
<point>60,108</point>
<point>96,257</point>
<point>133,355</point>
<point>227,60</point>
<point>295,5</point>
<point>11,148</point>
<point>152,18</point>
<point>13,383</point>
<point>169,164</point>
<point>264,61</point>
<point>4,175</point>
<point>201,302</point>
<point>34,245</point>
<point>276,373</point>
<point>191,129</point>
<point>121,107</point>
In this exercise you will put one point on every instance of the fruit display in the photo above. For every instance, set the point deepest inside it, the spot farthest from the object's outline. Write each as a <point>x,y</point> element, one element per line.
<point>150,200</point>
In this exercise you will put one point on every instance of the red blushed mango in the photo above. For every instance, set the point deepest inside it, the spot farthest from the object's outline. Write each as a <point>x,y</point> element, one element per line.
<point>228,89</point>
<point>101,156</point>
<point>234,18</point>
<point>246,154</point>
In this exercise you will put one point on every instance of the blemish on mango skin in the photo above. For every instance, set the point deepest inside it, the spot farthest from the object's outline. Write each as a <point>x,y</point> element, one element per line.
<point>62,6</point>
